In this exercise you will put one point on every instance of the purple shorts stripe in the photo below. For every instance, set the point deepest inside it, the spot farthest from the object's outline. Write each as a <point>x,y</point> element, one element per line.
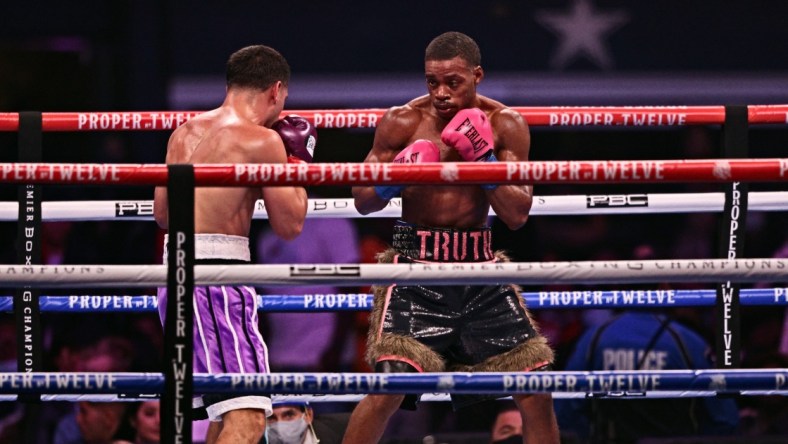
<point>256,331</point>
<point>226,335</point>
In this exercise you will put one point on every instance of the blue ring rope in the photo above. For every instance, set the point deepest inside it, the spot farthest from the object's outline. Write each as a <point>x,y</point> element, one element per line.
<point>427,397</point>
<point>361,301</point>
<point>607,383</point>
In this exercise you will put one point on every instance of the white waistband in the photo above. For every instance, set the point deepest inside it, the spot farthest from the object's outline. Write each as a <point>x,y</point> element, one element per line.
<point>217,246</point>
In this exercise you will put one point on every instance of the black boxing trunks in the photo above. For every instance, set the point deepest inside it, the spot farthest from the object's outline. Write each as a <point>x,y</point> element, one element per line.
<point>465,325</point>
<point>451,328</point>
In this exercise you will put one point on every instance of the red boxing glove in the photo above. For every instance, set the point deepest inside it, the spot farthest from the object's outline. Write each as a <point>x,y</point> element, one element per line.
<point>420,151</point>
<point>299,137</point>
<point>470,133</point>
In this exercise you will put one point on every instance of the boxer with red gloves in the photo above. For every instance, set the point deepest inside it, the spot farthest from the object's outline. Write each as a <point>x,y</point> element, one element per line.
<point>420,151</point>
<point>437,328</point>
<point>299,137</point>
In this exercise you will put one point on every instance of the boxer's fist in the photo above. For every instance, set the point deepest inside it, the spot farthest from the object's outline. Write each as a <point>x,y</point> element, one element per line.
<point>299,137</point>
<point>420,151</point>
<point>470,133</point>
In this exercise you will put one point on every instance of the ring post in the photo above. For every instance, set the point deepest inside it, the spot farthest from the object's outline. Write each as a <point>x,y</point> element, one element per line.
<point>27,312</point>
<point>26,309</point>
<point>732,233</point>
<point>176,418</point>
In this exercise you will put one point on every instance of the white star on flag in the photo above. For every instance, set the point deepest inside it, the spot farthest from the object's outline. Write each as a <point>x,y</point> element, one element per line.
<point>581,31</point>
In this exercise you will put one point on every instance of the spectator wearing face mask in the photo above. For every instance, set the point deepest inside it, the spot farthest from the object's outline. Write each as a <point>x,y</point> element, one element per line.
<point>291,424</point>
<point>294,422</point>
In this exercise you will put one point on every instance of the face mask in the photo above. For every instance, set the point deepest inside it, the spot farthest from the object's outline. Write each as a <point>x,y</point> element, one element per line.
<point>287,432</point>
<point>514,439</point>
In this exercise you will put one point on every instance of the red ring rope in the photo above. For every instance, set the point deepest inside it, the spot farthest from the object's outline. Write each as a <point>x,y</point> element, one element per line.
<point>629,171</point>
<point>368,118</point>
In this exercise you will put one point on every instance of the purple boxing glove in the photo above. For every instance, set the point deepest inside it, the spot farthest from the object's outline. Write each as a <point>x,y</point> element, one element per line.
<point>299,137</point>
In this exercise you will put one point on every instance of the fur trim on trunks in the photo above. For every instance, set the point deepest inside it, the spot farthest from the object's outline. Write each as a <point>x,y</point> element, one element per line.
<point>529,355</point>
<point>525,356</point>
<point>405,347</point>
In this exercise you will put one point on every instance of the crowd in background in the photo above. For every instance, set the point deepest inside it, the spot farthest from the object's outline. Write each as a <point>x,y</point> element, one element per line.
<point>334,341</point>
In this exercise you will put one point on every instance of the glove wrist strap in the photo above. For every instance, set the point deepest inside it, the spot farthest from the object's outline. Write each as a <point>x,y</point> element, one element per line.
<point>490,158</point>
<point>386,192</point>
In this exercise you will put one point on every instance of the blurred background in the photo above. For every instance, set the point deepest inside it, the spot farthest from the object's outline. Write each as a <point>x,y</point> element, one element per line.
<point>148,55</point>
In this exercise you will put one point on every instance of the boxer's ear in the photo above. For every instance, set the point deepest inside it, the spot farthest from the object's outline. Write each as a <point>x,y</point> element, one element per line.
<point>478,75</point>
<point>275,91</point>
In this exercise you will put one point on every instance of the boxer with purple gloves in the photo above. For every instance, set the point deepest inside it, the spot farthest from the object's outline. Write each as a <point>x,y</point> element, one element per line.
<point>244,129</point>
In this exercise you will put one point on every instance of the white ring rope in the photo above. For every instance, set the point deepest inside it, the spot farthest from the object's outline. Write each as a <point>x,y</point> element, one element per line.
<point>526,273</point>
<point>329,208</point>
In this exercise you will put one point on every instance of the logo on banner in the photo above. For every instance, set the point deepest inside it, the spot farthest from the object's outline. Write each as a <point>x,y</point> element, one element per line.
<point>616,200</point>
<point>133,209</point>
<point>334,204</point>
<point>325,270</point>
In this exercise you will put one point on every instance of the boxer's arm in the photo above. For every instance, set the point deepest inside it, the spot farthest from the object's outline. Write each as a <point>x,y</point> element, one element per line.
<point>160,207</point>
<point>175,154</point>
<point>511,203</point>
<point>391,136</point>
<point>286,206</point>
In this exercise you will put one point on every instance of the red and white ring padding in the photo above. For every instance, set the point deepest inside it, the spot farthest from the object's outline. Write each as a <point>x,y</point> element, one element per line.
<point>368,118</point>
<point>444,173</point>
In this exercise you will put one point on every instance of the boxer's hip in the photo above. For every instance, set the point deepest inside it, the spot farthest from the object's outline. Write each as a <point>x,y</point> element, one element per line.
<point>217,247</point>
